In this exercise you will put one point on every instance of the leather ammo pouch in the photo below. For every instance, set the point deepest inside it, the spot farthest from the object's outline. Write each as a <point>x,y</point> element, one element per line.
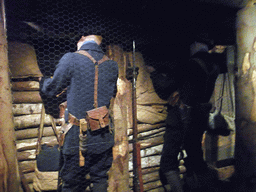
<point>97,118</point>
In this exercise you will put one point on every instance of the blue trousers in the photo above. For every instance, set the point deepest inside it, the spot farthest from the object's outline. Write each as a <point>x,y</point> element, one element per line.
<point>73,176</point>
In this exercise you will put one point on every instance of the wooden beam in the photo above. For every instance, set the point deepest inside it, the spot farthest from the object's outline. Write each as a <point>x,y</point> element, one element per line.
<point>27,97</point>
<point>119,174</point>
<point>7,136</point>
<point>25,86</point>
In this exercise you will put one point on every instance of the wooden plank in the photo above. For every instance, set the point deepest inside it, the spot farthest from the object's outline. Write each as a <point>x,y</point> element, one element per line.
<point>158,189</point>
<point>27,166</point>
<point>152,133</point>
<point>29,177</point>
<point>26,109</point>
<point>146,162</point>
<point>28,144</point>
<point>146,127</point>
<point>26,97</point>
<point>31,186</point>
<point>33,120</point>
<point>24,182</point>
<point>154,150</point>
<point>25,86</point>
<point>26,155</point>
<point>153,185</point>
<point>149,177</point>
<point>152,141</point>
<point>33,133</point>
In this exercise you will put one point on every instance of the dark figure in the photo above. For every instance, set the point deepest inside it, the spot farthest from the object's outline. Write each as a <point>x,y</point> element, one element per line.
<point>190,86</point>
<point>76,72</point>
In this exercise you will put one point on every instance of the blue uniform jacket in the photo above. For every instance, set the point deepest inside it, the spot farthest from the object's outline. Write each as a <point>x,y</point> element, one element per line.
<point>76,73</point>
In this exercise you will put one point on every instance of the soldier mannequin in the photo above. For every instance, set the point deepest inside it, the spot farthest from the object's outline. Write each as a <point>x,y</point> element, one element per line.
<point>188,113</point>
<point>76,73</point>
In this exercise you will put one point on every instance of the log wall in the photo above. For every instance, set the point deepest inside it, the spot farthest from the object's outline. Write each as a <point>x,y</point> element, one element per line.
<point>27,106</point>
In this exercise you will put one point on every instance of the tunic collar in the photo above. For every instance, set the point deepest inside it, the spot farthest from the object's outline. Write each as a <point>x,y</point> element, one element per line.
<point>92,46</point>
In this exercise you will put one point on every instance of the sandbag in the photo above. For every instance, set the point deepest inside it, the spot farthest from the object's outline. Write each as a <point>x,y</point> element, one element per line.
<point>45,181</point>
<point>151,114</point>
<point>22,60</point>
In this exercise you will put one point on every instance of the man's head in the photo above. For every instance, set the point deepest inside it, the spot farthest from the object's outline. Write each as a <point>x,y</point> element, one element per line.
<point>198,47</point>
<point>96,38</point>
<point>203,42</point>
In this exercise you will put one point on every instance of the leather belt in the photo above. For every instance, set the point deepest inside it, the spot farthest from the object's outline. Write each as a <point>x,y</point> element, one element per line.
<point>73,120</point>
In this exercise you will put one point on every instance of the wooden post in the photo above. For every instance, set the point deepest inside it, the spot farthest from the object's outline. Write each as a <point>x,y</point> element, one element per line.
<point>10,180</point>
<point>119,172</point>
<point>245,153</point>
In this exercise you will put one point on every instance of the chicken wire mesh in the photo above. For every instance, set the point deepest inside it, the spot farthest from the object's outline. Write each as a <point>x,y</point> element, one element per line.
<point>53,29</point>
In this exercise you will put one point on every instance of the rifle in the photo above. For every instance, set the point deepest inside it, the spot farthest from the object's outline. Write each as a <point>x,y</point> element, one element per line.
<point>137,173</point>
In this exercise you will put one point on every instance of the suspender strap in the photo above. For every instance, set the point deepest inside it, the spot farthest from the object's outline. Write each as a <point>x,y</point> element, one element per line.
<point>41,130</point>
<point>96,64</point>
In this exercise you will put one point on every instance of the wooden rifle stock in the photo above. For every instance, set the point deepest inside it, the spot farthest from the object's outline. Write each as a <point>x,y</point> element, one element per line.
<point>137,173</point>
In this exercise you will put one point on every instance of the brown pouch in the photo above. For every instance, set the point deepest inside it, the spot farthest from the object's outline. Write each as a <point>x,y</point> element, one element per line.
<point>97,118</point>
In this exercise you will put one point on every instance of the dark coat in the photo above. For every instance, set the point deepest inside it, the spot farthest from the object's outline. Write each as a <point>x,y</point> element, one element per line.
<point>199,78</point>
<point>76,73</point>
<point>190,79</point>
<point>167,79</point>
<point>185,127</point>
